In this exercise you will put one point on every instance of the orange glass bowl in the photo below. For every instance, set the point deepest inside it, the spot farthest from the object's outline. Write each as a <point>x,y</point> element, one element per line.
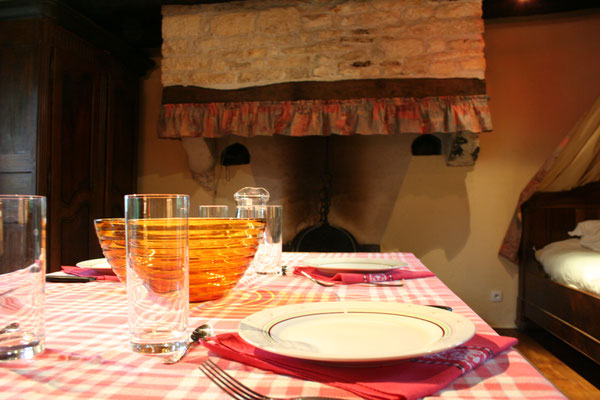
<point>111,235</point>
<point>220,251</point>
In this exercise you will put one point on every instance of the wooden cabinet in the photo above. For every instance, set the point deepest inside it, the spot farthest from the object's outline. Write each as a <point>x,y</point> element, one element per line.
<point>68,121</point>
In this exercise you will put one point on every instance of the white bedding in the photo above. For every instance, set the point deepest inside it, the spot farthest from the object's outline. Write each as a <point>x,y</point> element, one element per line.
<point>589,233</point>
<point>570,263</point>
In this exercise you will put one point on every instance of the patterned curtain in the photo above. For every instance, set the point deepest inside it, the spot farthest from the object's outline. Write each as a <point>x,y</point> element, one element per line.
<point>368,116</point>
<point>574,163</point>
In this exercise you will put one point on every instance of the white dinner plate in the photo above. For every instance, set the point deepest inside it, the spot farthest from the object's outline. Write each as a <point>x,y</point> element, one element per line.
<point>355,331</point>
<point>96,263</point>
<point>346,264</point>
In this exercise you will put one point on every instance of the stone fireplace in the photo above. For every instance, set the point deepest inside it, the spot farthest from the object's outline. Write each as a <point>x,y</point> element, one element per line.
<point>279,76</point>
<point>259,42</point>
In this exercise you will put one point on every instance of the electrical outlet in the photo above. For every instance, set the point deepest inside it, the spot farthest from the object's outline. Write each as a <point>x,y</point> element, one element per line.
<point>496,296</point>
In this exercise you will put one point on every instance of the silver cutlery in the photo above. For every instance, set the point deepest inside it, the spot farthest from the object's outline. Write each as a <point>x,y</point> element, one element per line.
<point>237,389</point>
<point>12,327</point>
<point>440,306</point>
<point>326,284</point>
<point>8,291</point>
<point>199,333</point>
<point>330,284</point>
<point>399,282</point>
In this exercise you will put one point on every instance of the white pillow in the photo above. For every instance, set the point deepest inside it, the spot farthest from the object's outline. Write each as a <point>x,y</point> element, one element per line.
<point>589,231</point>
<point>568,262</point>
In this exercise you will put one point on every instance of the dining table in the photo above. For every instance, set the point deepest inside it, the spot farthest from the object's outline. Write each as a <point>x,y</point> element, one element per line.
<point>87,353</point>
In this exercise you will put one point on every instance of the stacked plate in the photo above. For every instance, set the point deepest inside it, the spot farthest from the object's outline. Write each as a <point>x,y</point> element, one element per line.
<point>355,331</point>
<point>100,264</point>
<point>355,264</point>
<point>350,332</point>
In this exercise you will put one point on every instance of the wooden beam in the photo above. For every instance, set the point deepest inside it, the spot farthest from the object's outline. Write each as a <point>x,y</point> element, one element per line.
<point>347,89</point>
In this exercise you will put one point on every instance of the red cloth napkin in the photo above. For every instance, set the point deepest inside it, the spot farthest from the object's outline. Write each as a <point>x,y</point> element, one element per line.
<point>104,274</point>
<point>351,277</point>
<point>403,380</point>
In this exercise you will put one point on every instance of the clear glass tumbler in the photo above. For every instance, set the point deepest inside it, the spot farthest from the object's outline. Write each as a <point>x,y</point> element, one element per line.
<point>213,211</point>
<point>267,259</point>
<point>156,235</point>
<point>22,272</point>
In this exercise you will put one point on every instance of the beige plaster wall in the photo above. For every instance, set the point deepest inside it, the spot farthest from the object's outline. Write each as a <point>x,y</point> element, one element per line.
<point>542,75</point>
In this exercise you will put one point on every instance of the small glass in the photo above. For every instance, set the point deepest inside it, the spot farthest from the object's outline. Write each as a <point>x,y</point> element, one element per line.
<point>22,273</point>
<point>267,259</point>
<point>212,211</point>
<point>156,234</point>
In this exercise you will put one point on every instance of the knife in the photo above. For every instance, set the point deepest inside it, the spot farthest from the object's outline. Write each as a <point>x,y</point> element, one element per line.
<point>69,278</point>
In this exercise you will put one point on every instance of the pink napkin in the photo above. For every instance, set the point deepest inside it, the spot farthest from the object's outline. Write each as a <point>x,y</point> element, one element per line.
<point>403,380</point>
<point>104,274</point>
<point>352,277</point>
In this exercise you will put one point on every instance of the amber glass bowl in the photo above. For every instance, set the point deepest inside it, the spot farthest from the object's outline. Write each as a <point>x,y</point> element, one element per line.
<point>220,251</point>
<point>111,235</point>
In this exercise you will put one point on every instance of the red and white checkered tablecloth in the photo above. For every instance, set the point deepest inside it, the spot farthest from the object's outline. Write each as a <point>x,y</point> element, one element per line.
<point>87,350</point>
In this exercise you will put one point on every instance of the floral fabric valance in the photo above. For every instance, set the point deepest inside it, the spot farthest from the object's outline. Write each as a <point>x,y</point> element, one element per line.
<point>367,116</point>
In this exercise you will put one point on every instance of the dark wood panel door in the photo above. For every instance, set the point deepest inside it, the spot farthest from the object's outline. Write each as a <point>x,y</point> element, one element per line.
<point>121,171</point>
<point>68,123</point>
<point>77,157</point>
<point>19,74</point>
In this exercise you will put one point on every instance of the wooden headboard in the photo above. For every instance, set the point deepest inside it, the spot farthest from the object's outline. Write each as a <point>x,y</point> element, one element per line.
<point>548,216</point>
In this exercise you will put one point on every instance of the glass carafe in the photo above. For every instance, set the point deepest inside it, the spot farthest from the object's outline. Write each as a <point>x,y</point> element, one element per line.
<point>252,203</point>
<point>251,196</point>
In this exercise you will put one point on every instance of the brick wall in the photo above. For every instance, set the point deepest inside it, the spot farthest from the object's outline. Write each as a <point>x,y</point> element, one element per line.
<point>259,42</point>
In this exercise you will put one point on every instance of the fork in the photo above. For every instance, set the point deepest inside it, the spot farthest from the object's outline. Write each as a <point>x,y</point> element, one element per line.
<point>237,389</point>
<point>330,284</point>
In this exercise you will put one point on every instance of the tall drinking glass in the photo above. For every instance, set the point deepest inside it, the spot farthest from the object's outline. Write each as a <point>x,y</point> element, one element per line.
<point>22,271</point>
<point>156,234</point>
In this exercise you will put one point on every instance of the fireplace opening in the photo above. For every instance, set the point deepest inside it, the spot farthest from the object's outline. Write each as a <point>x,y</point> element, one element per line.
<point>325,237</point>
<point>426,145</point>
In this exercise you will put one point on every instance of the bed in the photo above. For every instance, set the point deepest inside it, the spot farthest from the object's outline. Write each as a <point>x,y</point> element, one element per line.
<point>572,315</point>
